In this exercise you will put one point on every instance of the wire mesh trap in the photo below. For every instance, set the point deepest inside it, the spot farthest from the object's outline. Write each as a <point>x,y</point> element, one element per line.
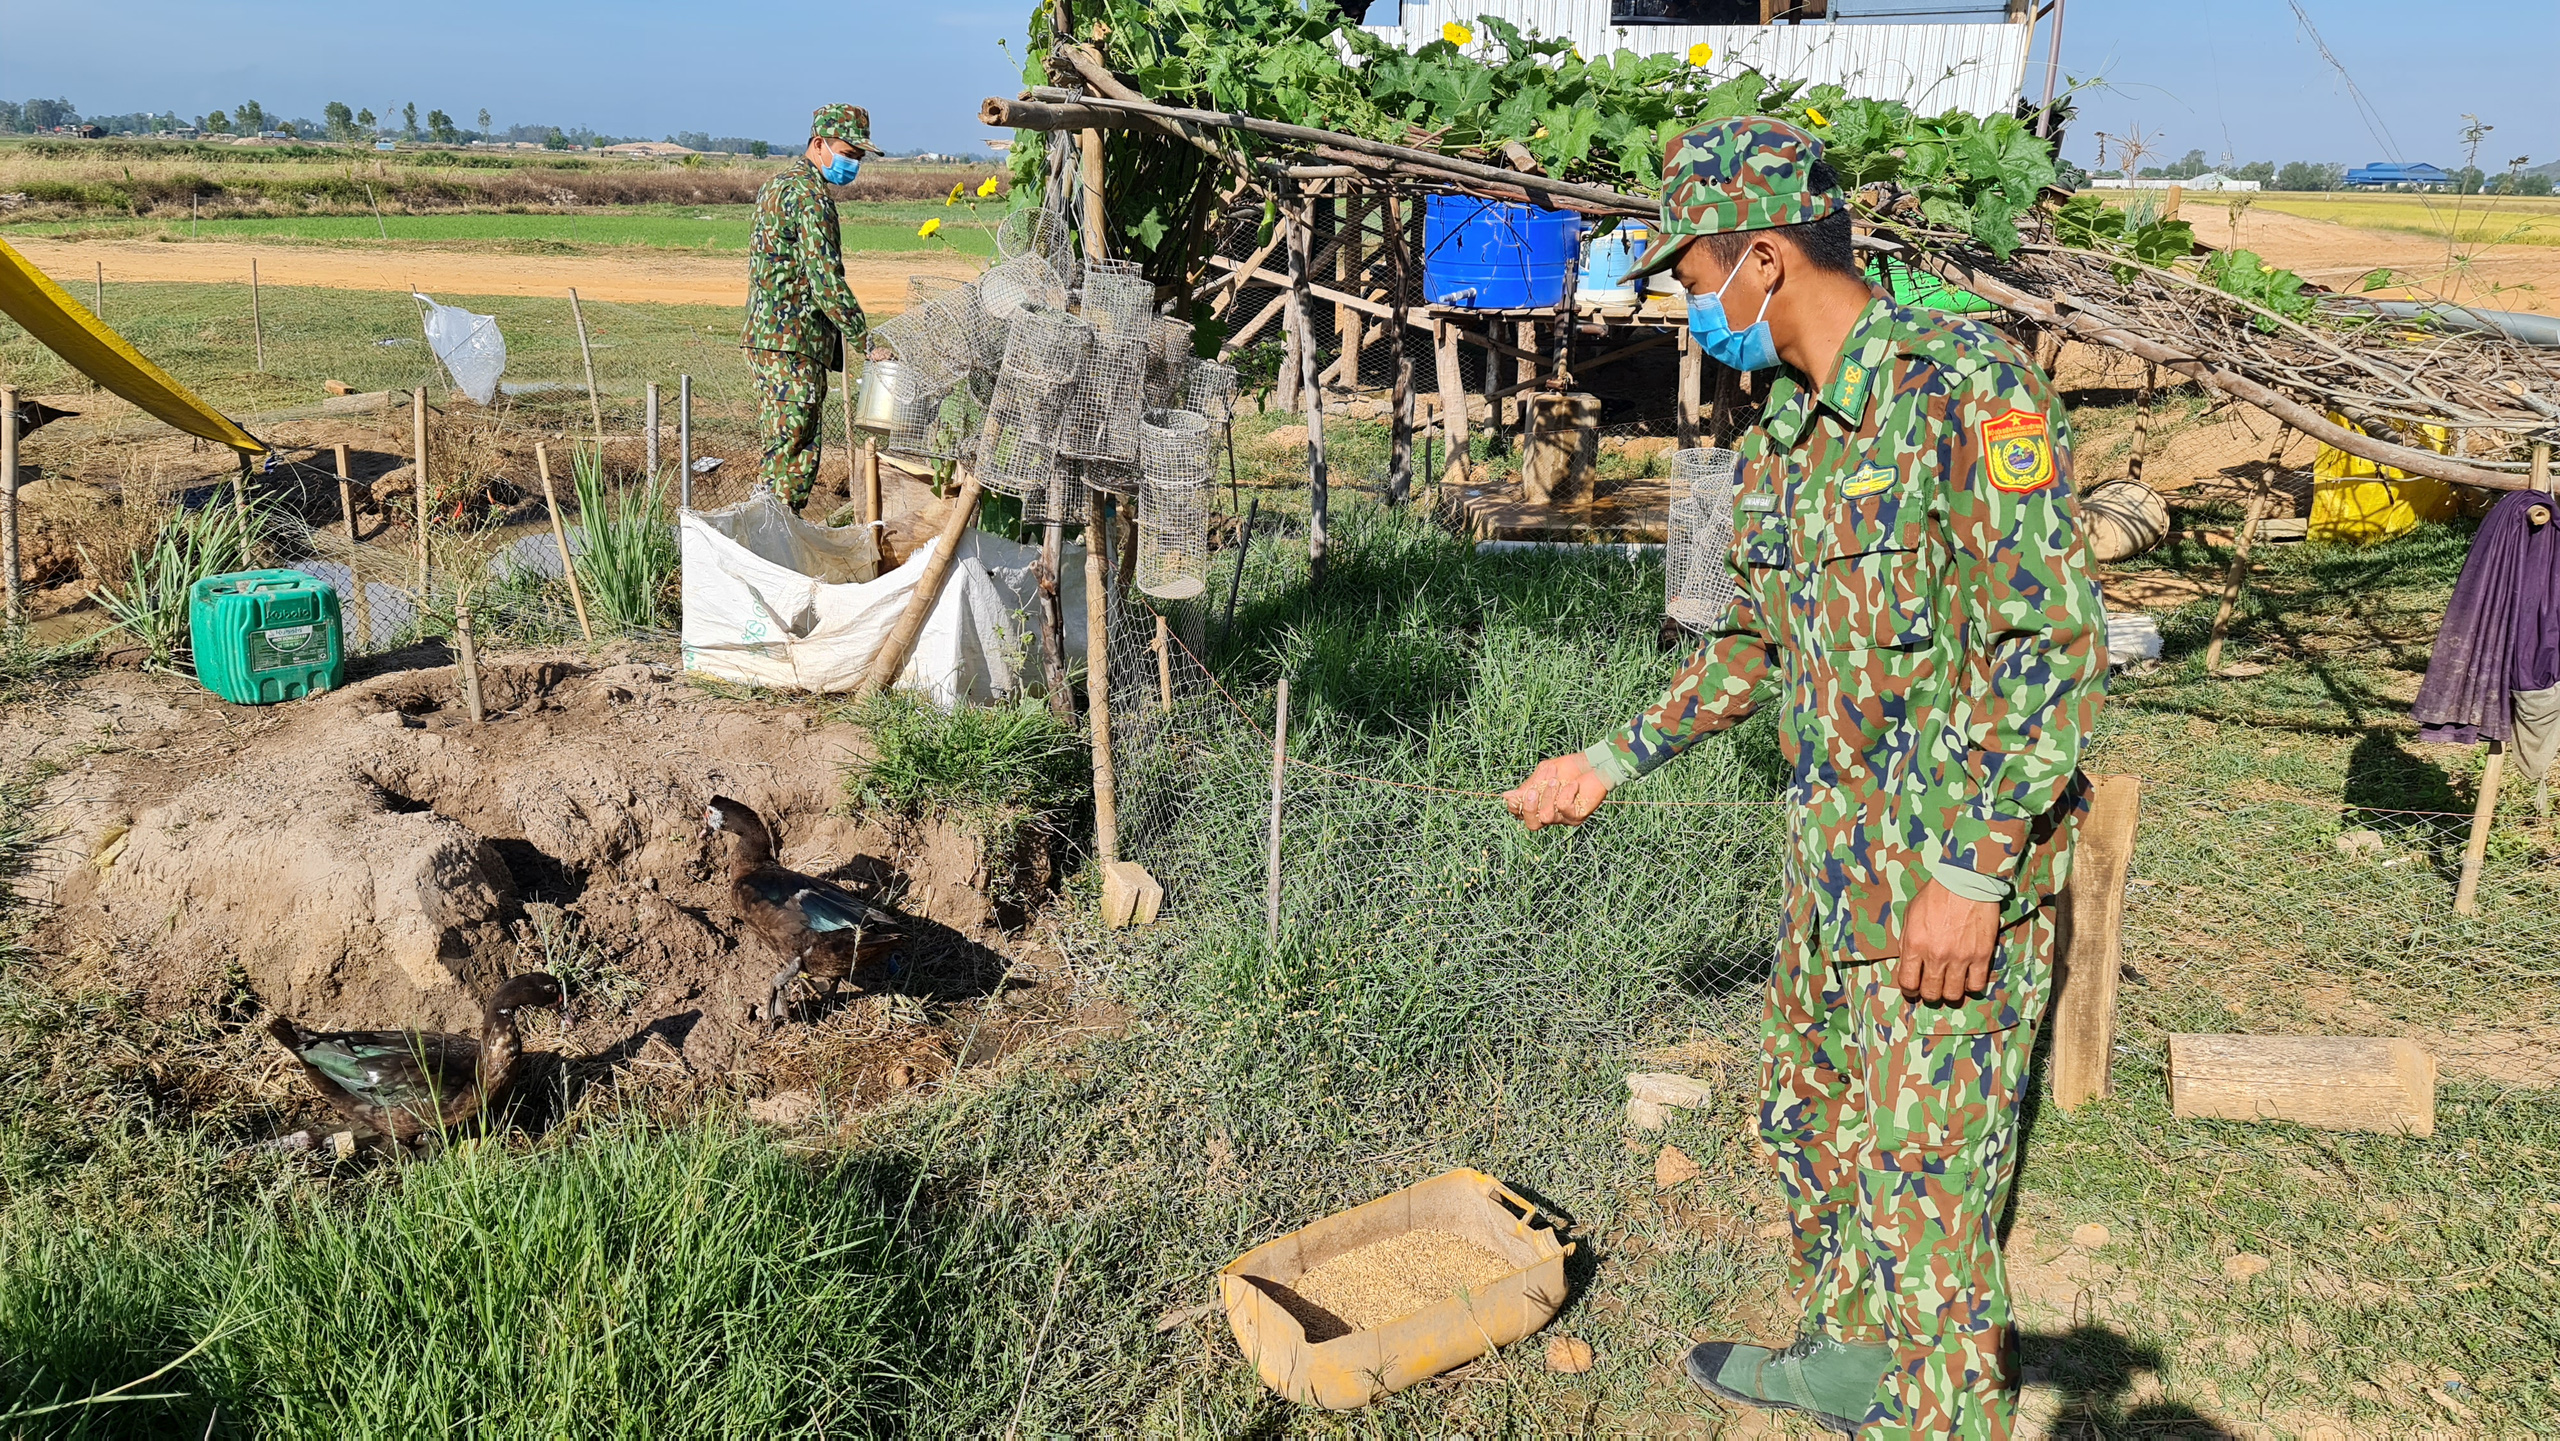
<point>1038,234</point>
<point>1119,300</point>
<point>1111,477</point>
<point>1007,290</point>
<point>1173,505</point>
<point>1209,390</point>
<point>1697,582</point>
<point>935,425</point>
<point>1105,407</point>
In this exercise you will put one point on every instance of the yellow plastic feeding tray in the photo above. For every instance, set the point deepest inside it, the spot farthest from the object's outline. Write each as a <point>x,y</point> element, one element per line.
<point>1433,1276</point>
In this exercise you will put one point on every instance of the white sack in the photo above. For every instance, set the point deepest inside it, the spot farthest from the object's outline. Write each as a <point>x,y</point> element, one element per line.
<point>473,351</point>
<point>760,607</point>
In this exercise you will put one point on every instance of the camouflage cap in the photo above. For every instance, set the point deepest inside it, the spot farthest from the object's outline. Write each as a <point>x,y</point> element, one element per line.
<point>849,123</point>
<point>1748,173</point>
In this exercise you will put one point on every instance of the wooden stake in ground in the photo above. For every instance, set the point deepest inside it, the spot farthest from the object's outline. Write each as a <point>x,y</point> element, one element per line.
<point>418,476</point>
<point>1279,764</point>
<point>240,511</point>
<point>1244,552</point>
<point>2084,1007</point>
<point>2260,506</point>
<point>355,553</point>
<point>1097,690</point>
<point>9,501</point>
<point>891,660</point>
<point>470,658</point>
<point>652,452</point>
<point>98,296</point>
<point>684,442</point>
<point>560,538</point>
<point>1097,243</point>
<point>1301,224</point>
<point>1164,665</point>
<point>1053,619</point>
<point>587,357</point>
<point>2484,813</point>
<point>1692,370</point>
<point>870,482</point>
<point>853,443</point>
<point>1400,435</point>
<point>257,319</point>
<point>1453,403</point>
<point>2142,422</point>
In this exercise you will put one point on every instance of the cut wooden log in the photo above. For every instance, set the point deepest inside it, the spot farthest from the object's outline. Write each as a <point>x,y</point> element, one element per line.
<point>1130,896</point>
<point>2092,942</point>
<point>2337,1083</point>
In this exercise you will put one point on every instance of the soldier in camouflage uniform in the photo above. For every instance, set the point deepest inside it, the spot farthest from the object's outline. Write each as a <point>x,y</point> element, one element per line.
<point>1912,583</point>
<point>800,312</point>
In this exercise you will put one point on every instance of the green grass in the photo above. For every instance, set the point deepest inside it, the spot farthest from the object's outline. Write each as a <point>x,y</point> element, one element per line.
<point>1448,990</point>
<point>716,229</point>
<point>627,563</point>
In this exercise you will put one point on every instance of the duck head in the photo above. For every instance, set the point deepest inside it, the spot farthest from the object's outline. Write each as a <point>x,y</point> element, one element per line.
<point>755,839</point>
<point>534,989</point>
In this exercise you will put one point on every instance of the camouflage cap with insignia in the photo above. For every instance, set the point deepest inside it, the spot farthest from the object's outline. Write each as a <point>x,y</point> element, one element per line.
<point>1747,173</point>
<point>848,123</point>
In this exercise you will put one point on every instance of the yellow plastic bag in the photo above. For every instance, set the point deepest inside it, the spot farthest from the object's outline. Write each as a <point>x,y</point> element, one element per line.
<point>2357,502</point>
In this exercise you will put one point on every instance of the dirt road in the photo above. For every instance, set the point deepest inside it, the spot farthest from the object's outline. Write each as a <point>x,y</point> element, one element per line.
<point>2499,277</point>
<point>880,282</point>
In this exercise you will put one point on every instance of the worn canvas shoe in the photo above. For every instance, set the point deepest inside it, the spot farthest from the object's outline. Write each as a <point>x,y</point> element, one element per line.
<point>1832,1381</point>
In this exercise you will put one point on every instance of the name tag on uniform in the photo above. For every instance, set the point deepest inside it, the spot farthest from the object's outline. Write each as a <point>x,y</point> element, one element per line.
<point>1874,480</point>
<point>1759,502</point>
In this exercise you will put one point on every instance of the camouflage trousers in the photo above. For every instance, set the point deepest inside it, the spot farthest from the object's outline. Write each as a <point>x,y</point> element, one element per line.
<point>1893,1128</point>
<point>791,408</point>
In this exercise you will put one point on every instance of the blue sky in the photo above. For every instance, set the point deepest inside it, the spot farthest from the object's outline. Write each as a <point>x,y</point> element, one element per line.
<point>2218,75</point>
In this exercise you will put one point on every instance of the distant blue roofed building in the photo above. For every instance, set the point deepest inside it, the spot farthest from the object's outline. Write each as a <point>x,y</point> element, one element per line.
<point>2382,176</point>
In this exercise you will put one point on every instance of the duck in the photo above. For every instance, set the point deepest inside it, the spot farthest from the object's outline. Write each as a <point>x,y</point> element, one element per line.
<point>821,930</point>
<point>409,1084</point>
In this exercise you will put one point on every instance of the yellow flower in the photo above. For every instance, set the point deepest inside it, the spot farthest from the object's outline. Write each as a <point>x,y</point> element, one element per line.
<point>954,197</point>
<point>987,187</point>
<point>1701,53</point>
<point>1457,34</point>
<point>1815,116</point>
<point>926,230</point>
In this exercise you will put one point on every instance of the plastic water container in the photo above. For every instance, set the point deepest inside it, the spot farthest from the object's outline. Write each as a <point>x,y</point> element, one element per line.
<point>1494,255</point>
<point>263,636</point>
<point>1606,262</point>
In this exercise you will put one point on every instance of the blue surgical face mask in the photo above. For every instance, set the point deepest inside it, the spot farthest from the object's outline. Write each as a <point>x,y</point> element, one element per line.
<point>1751,348</point>
<point>841,170</point>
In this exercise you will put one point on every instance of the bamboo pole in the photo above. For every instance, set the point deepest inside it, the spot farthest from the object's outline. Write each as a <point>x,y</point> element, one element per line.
<point>2256,514</point>
<point>1400,432</point>
<point>1164,665</point>
<point>1279,764</point>
<point>1097,691</point>
<point>560,538</point>
<point>871,482</point>
<point>98,296</point>
<point>240,510</point>
<point>9,502</point>
<point>257,317</point>
<point>1302,226</point>
<point>587,357</point>
<point>652,452</point>
<point>2466,894</point>
<point>1053,619</point>
<point>2142,422</point>
<point>1096,212</point>
<point>418,475</point>
<point>355,551</point>
<point>684,442</point>
<point>892,657</point>
<point>1692,368</point>
<point>852,448</point>
<point>1244,552</point>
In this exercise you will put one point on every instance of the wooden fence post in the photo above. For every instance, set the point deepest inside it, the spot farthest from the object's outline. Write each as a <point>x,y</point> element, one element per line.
<point>9,501</point>
<point>1301,228</point>
<point>2484,815</point>
<point>1164,665</point>
<point>1097,690</point>
<point>1453,402</point>
<point>1692,364</point>
<point>871,483</point>
<point>2091,962</point>
<point>257,317</point>
<point>652,452</point>
<point>1279,764</point>
<point>355,552</point>
<point>418,474</point>
<point>2250,519</point>
<point>684,442</point>
<point>587,357</point>
<point>469,656</point>
<point>560,538</point>
<point>1400,434</point>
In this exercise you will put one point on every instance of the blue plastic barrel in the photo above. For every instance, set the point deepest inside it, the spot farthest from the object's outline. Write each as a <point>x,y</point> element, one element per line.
<point>1494,255</point>
<point>1608,259</point>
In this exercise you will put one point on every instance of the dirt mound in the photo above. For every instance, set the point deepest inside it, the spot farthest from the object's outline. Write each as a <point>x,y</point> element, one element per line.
<point>372,857</point>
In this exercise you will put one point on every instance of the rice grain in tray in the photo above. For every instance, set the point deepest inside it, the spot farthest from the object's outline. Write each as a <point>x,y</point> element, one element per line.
<point>1397,1276</point>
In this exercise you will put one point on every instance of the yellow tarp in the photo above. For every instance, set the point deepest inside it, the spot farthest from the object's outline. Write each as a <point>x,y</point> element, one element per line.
<point>2358,502</point>
<point>80,338</point>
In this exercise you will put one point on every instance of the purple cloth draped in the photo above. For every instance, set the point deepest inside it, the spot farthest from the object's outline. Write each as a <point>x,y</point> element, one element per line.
<point>2501,631</point>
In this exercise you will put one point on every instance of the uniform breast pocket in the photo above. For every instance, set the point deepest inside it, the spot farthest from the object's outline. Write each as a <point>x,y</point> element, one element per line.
<point>1762,537</point>
<point>1870,570</point>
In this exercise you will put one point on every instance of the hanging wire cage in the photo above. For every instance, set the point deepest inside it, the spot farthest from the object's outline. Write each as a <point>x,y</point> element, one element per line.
<point>1110,477</point>
<point>1697,581</point>
<point>1008,289</point>
<point>1109,401</point>
<point>1173,505</point>
<point>1017,453</point>
<point>1119,300</point>
<point>1209,391</point>
<point>939,425</point>
<point>1038,233</point>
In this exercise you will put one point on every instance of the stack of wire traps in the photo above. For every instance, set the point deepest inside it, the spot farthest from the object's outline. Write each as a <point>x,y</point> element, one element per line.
<point>936,424</point>
<point>1038,233</point>
<point>1013,286</point>
<point>1018,443</point>
<point>1173,505</point>
<point>1697,580</point>
<point>1119,300</point>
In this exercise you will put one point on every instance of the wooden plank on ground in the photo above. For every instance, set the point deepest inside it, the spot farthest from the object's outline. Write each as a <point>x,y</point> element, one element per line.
<point>2091,963</point>
<point>2337,1083</point>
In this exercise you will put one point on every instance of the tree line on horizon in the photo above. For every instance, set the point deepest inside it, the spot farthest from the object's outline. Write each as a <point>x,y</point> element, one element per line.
<point>347,124</point>
<point>2328,175</point>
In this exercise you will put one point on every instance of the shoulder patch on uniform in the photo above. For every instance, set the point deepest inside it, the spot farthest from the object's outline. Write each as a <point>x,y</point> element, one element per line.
<point>2018,452</point>
<point>1874,480</point>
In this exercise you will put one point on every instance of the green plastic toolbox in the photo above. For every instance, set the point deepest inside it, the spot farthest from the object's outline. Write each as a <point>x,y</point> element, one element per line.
<point>263,636</point>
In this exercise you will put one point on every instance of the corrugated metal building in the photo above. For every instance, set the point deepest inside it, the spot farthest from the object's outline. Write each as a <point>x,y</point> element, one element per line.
<point>1933,55</point>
